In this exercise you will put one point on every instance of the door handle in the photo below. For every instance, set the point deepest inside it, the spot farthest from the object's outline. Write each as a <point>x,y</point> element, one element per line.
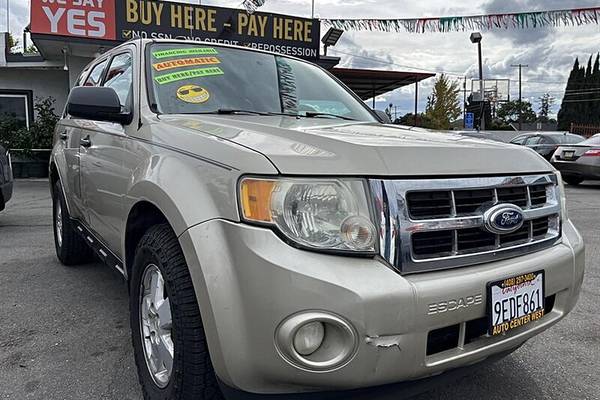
<point>63,136</point>
<point>85,142</point>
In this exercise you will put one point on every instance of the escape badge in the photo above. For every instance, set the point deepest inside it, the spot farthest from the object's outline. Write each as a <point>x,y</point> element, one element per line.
<point>193,94</point>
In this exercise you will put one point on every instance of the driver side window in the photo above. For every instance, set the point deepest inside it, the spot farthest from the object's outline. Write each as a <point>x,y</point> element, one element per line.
<point>120,77</point>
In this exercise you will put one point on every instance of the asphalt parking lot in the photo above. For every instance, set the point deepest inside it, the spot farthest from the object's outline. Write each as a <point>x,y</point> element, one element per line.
<point>64,332</point>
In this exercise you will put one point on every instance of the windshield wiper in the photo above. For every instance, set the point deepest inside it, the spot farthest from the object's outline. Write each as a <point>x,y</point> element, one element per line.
<point>229,111</point>
<point>321,114</point>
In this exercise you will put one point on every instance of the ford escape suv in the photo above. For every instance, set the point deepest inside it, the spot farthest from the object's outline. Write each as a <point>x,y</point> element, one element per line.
<point>278,239</point>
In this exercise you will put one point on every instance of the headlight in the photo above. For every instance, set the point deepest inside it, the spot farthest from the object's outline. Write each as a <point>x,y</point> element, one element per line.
<point>563,197</point>
<point>322,214</point>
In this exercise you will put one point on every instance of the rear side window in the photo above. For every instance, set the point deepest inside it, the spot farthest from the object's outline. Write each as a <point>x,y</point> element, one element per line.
<point>120,77</point>
<point>533,140</point>
<point>519,140</point>
<point>96,75</point>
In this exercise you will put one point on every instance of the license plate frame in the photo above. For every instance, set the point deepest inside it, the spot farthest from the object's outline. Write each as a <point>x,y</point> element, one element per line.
<point>519,285</point>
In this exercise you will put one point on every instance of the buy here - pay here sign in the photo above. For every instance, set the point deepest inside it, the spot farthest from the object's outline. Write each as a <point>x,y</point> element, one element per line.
<point>121,20</point>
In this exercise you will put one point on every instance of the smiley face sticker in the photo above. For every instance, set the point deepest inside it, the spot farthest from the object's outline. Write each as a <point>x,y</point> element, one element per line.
<point>193,94</point>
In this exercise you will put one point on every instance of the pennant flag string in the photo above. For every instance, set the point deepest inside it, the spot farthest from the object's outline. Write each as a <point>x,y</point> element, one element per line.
<point>524,20</point>
<point>253,5</point>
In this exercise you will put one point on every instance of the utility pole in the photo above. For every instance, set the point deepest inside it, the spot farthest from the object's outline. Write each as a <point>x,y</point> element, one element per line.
<point>8,17</point>
<point>520,66</point>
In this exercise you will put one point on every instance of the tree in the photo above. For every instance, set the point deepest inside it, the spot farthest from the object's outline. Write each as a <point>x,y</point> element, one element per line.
<point>508,112</point>
<point>443,105</point>
<point>568,110</point>
<point>546,103</point>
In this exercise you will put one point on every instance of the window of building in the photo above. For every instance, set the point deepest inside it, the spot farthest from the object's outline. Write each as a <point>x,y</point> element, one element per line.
<point>17,105</point>
<point>120,77</point>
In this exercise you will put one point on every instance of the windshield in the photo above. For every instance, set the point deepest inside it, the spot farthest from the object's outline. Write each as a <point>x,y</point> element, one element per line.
<point>594,140</point>
<point>196,79</point>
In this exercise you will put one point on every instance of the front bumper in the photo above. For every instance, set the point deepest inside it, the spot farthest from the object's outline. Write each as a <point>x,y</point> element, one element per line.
<point>586,169</point>
<point>248,281</point>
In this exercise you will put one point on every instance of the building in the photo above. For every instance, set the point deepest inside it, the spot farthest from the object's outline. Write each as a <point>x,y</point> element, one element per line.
<point>69,36</point>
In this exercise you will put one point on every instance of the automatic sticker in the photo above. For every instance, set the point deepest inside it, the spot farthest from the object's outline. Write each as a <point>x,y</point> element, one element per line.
<point>193,94</point>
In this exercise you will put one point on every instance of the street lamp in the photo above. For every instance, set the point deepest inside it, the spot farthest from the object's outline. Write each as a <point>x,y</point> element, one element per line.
<point>331,38</point>
<point>476,38</point>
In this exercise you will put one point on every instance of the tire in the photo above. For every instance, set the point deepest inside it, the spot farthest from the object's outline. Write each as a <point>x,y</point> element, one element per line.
<point>573,181</point>
<point>71,248</point>
<point>159,257</point>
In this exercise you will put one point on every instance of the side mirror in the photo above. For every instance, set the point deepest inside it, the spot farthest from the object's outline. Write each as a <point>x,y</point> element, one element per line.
<point>97,104</point>
<point>383,117</point>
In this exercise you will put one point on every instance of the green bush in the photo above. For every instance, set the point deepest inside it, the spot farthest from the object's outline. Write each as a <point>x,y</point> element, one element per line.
<point>39,136</point>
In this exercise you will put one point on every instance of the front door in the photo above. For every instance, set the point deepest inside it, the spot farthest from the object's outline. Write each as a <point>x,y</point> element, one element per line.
<point>103,175</point>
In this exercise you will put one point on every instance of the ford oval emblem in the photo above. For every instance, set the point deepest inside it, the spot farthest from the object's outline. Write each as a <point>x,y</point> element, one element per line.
<point>504,218</point>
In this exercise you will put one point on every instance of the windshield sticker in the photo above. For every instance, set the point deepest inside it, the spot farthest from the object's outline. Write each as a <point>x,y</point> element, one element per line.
<point>195,51</point>
<point>192,73</point>
<point>193,94</point>
<point>185,62</point>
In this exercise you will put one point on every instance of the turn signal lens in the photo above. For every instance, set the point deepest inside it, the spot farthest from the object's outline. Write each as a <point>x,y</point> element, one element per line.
<point>256,199</point>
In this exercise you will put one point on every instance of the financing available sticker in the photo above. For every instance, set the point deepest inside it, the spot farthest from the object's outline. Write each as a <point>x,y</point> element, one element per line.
<point>189,74</point>
<point>185,62</point>
<point>192,51</point>
<point>193,94</point>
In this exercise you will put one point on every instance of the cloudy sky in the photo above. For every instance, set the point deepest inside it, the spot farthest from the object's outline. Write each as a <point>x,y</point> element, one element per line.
<point>548,52</point>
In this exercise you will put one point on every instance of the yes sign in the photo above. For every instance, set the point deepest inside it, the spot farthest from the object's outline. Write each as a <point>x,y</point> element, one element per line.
<point>94,19</point>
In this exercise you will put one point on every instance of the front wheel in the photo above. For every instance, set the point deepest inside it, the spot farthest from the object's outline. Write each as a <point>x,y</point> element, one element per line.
<point>170,346</point>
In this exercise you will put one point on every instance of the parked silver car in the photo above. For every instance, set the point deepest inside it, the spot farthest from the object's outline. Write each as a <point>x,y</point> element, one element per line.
<point>6,177</point>
<point>278,239</point>
<point>579,162</point>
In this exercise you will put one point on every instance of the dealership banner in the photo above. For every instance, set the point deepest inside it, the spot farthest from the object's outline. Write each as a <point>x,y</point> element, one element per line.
<point>122,20</point>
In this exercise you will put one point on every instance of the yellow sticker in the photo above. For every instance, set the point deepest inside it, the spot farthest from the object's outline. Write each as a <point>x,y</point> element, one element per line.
<point>193,94</point>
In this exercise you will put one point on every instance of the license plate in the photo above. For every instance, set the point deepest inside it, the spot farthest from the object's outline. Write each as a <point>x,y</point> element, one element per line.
<point>515,302</point>
<point>568,155</point>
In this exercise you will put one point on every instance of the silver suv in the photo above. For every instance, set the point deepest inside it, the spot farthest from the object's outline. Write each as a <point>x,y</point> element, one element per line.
<point>279,239</point>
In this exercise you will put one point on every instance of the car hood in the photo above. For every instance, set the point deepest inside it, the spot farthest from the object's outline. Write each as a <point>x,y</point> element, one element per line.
<point>320,146</point>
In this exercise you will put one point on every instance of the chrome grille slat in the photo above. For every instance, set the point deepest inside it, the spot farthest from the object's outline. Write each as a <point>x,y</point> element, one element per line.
<point>541,228</point>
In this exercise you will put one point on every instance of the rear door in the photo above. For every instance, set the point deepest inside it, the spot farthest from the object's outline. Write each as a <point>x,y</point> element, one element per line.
<point>103,175</point>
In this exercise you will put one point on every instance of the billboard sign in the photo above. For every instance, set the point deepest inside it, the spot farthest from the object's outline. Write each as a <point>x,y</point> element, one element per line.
<point>94,19</point>
<point>122,20</point>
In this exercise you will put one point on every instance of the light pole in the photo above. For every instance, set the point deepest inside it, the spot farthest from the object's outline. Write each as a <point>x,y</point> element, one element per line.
<point>476,38</point>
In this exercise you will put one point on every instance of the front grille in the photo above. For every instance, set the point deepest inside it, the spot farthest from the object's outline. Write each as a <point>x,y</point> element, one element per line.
<point>460,241</point>
<point>435,224</point>
<point>430,204</point>
<point>439,204</point>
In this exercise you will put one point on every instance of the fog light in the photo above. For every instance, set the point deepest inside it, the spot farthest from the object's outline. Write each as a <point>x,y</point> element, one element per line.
<point>309,338</point>
<point>316,341</point>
